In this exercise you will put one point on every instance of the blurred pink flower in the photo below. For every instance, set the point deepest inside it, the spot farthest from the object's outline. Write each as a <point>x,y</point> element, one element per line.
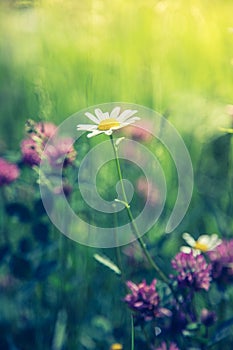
<point>139,132</point>
<point>33,146</point>
<point>134,255</point>
<point>58,150</point>
<point>61,149</point>
<point>148,190</point>
<point>29,149</point>
<point>45,130</point>
<point>9,172</point>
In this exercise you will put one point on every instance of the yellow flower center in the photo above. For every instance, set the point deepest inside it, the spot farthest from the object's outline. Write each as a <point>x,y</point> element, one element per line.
<point>201,246</point>
<point>116,346</point>
<point>107,124</point>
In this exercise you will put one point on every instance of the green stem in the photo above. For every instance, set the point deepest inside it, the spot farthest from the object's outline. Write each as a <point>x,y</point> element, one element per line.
<point>132,222</point>
<point>118,252</point>
<point>230,176</point>
<point>132,333</point>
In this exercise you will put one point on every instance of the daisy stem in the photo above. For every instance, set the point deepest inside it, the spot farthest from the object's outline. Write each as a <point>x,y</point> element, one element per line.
<point>135,230</point>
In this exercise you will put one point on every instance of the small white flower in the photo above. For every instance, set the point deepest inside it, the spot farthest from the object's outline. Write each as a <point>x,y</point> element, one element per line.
<point>106,123</point>
<point>204,243</point>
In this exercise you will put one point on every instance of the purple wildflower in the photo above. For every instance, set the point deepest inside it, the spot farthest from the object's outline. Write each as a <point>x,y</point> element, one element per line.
<point>9,172</point>
<point>29,149</point>
<point>58,150</point>
<point>144,300</point>
<point>140,132</point>
<point>164,346</point>
<point>193,271</point>
<point>222,262</point>
<point>33,146</point>
<point>45,130</point>
<point>148,190</point>
<point>61,150</point>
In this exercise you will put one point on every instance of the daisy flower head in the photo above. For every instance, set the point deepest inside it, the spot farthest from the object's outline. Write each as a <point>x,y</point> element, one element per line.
<point>204,243</point>
<point>106,123</point>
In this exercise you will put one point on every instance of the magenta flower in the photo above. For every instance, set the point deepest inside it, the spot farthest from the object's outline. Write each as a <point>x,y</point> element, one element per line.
<point>193,271</point>
<point>148,190</point>
<point>59,150</point>
<point>8,172</point>
<point>30,153</point>
<point>45,130</point>
<point>33,146</point>
<point>222,262</point>
<point>145,301</point>
<point>164,346</point>
<point>140,132</point>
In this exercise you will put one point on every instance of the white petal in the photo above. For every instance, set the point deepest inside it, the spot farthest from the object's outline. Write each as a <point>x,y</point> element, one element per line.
<point>204,239</point>
<point>189,239</point>
<point>94,133</point>
<point>130,120</point>
<point>188,250</point>
<point>117,127</point>
<point>214,241</point>
<point>185,249</point>
<point>87,127</point>
<point>115,112</point>
<point>92,117</point>
<point>100,115</point>
<point>126,114</point>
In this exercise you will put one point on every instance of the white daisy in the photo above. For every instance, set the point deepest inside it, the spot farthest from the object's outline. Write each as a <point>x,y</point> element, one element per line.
<point>105,123</point>
<point>203,244</point>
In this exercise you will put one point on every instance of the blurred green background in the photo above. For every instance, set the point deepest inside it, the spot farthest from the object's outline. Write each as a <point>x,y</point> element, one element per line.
<point>58,57</point>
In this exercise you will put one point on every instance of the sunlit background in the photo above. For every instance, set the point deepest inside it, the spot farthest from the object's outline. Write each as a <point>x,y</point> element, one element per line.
<point>58,57</point>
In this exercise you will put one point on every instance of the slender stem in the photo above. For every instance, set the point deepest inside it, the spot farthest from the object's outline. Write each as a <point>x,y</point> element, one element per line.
<point>132,222</point>
<point>118,252</point>
<point>230,176</point>
<point>132,333</point>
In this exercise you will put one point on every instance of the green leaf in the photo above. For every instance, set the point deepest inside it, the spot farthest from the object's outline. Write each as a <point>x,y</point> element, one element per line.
<point>108,263</point>
<point>192,326</point>
<point>60,331</point>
